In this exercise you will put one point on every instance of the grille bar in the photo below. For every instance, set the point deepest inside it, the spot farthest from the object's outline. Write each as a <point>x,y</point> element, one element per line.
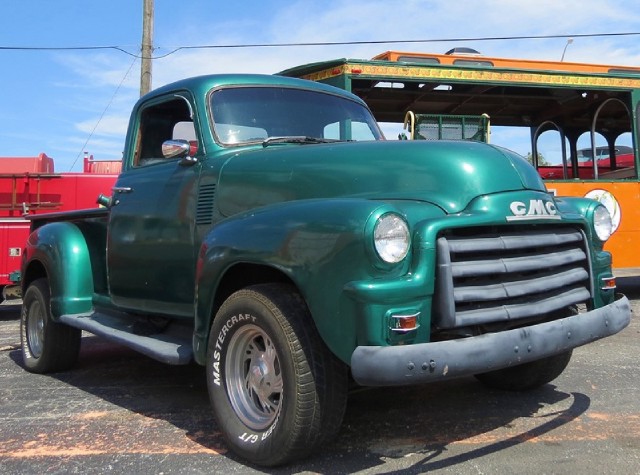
<point>514,310</point>
<point>505,290</point>
<point>517,240</point>
<point>516,264</point>
<point>499,276</point>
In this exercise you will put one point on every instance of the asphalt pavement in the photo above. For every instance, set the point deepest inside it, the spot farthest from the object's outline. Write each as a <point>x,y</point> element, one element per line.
<point>122,413</point>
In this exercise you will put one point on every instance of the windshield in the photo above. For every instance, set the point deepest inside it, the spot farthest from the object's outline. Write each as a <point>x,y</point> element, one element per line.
<point>254,114</point>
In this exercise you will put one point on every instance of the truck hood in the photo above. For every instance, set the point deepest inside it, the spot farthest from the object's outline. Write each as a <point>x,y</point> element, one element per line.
<point>445,173</point>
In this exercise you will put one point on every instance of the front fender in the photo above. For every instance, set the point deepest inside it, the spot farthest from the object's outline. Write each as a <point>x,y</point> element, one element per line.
<point>601,260</point>
<point>318,244</point>
<point>61,248</point>
<point>573,205</point>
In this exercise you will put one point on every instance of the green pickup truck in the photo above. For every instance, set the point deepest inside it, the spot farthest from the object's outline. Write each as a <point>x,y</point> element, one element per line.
<point>263,227</point>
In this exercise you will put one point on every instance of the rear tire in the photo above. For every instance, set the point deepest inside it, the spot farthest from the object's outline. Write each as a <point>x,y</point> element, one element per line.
<point>528,375</point>
<point>47,346</point>
<point>277,392</point>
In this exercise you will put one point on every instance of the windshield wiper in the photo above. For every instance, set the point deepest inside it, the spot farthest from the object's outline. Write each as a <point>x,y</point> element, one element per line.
<point>301,139</point>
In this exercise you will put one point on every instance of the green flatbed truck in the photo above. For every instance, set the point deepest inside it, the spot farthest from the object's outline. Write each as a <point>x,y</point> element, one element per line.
<point>263,227</point>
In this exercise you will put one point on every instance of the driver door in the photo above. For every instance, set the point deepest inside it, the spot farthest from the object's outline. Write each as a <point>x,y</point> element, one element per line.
<point>151,253</point>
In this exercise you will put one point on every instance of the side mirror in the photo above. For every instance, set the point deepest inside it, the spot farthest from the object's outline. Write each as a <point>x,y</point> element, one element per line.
<point>179,148</point>
<point>175,148</point>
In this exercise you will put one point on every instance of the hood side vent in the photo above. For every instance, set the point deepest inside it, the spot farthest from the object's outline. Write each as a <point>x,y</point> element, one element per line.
<point>204,208</point>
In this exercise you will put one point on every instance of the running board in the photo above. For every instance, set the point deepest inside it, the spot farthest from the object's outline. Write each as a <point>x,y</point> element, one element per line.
<point>172,346</point>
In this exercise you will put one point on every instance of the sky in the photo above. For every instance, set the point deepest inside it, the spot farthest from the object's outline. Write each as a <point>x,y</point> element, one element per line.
<point>68,102</point>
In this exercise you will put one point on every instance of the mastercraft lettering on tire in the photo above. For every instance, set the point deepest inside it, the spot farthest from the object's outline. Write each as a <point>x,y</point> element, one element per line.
<point>263,228</point>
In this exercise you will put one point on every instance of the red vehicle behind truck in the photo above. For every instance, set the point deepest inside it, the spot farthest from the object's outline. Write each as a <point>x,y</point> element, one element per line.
<point>30,185</point>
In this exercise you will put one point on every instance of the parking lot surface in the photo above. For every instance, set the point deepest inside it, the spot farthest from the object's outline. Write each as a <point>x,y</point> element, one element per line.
<point>120,412</point>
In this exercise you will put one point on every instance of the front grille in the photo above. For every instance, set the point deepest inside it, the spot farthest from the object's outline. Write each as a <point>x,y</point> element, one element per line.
<point>502,274</point>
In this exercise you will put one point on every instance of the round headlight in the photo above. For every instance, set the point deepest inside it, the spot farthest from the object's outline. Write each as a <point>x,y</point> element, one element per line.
<point>602,224</point>
<point>391,238</point>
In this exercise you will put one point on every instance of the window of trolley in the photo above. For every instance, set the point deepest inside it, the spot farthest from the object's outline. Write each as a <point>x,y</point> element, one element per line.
<point>577,123</point>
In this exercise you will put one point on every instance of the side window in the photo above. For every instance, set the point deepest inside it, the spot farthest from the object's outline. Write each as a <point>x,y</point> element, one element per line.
<point>184,131</point>
<point>159,122</point>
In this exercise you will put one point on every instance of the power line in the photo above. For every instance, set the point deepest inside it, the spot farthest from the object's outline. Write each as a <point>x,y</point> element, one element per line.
<point>321,43</point>
<point>103,113</point>
<point>65,48</point>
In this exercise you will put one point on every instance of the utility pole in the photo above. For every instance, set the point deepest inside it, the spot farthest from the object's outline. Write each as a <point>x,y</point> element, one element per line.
<point>147,47</point>
<point>569,41</point>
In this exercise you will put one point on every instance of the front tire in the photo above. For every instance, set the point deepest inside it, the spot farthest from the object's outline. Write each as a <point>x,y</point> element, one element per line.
<point>47,346</point>
<point>276,390</point>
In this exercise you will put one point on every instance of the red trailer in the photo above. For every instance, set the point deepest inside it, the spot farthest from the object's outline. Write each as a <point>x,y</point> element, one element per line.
<point>29,185</point>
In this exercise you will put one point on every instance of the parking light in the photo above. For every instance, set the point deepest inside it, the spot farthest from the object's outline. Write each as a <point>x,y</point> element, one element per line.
<point>404,323</point>
<point>608,283</point>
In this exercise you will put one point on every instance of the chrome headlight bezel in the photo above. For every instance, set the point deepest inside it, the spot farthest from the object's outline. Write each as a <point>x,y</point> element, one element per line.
<point>391,238</point>
<point>602,223</point>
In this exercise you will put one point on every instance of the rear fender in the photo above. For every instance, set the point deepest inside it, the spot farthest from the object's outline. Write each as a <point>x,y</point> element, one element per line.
<point>61,249</point>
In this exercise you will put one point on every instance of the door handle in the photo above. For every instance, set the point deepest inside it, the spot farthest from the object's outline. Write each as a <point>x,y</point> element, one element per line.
<point>122,189</point>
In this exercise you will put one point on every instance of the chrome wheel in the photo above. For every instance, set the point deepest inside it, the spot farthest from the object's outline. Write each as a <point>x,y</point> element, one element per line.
<point>254,377</point>
<point>35,328</point>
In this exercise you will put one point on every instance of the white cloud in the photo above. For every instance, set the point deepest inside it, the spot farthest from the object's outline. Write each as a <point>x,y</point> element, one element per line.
<point>114,125</point>
<point>308,21</point>
<point>102,69</point>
